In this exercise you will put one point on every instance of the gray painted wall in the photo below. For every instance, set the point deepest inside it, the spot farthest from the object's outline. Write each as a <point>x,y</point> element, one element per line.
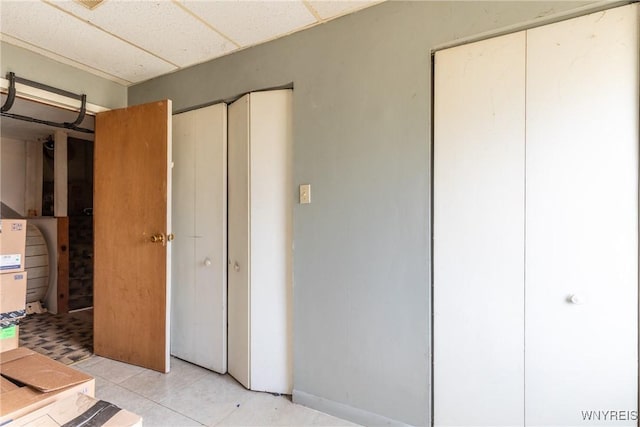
<point>33,66</point>
<point>362,140</point>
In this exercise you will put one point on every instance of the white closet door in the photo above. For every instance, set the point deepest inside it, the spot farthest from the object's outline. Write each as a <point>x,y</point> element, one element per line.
<point>199,316</point>
<point>582,218</point>
<point>271,238</point>
<point>239,249</point>
<point>183,274</point>
<point>479,233</point>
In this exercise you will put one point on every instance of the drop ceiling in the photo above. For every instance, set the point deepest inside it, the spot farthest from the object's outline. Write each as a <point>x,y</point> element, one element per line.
<point>130,41</point>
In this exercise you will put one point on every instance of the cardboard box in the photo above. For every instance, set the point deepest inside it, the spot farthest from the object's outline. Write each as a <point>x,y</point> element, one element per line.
<point>13,293</point>
<point>31,381</point>
<point>9,337</point>
<point>13,239</point>
<point>75,409</point>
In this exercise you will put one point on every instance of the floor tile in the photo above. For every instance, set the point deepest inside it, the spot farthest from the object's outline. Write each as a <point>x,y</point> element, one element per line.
<point>152,413</point>
<point>102,383</point>
<point>208,400</point>
<point>155,415</point>
<point>157,386</point>
<point>326,420</point>
<point>122,397</point>
<point>114,371</point>
<point>86,363</point>
<point>264,409</point>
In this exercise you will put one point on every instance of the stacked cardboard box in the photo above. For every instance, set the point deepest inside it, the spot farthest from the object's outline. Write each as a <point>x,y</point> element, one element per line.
<point>34,389</point>
<point>31,381</point>
<point>13,280</point>
<point>77,410</point>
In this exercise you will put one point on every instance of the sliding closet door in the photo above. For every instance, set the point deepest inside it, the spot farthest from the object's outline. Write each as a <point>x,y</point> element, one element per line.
<point>582,218</point>
<point>479,233</point>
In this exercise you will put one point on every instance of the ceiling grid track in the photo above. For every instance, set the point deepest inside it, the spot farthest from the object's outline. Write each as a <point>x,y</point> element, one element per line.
<point>313,11</point>
<point>195,16</point>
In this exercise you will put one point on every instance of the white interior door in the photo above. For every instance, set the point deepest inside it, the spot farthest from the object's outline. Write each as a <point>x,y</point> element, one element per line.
<point>479,233</point>
<point>239,244</point>
<point>199,301</point>
<point>582,218</point>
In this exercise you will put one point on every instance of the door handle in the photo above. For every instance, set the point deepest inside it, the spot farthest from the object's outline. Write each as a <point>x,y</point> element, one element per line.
<point>577,299</point>
<point>158,238</point>
<point>236,266</point>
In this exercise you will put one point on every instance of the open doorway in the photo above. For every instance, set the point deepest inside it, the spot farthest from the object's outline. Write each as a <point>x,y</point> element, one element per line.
<point>79,213</point>
<point>60,295</point>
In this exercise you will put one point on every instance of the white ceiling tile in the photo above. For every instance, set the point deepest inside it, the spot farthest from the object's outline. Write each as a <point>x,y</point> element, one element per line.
<point>331,8</point>
<point>61,59</point>
<point>252,22</point>
<point>45,26</point>
<point>160,27</point>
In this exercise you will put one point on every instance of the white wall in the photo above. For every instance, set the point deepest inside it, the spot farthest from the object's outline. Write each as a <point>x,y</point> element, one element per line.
<point>13,157</point>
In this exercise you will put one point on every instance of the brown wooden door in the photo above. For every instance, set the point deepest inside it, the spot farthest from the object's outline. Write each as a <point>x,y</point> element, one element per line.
<point>132,187</point>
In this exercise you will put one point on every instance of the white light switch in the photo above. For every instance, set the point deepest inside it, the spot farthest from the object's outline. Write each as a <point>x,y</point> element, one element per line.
<point>305,193</point>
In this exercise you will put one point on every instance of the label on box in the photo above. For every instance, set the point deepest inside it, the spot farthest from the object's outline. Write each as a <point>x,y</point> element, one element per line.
<point>18,276</point>
<point>10,261</point>
<point>16,226</point>
<point>9,332</point>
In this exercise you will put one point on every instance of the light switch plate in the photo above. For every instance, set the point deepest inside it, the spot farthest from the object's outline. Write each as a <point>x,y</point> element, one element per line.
<point>305,193</point>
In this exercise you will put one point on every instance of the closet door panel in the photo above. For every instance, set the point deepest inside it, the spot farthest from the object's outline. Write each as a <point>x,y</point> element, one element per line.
<point>211,235</point>
<point>479,233</point>
<point>239,285</point>
<point>271,237</point>
<point>183,289</point>
<point>199,321</point>
<point>582,218</point>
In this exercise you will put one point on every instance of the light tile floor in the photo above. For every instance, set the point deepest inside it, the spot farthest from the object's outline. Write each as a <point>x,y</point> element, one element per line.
<point>193,396</point>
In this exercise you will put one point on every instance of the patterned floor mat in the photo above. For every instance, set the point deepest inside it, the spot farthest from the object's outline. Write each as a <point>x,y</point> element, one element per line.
<point>67,338</point>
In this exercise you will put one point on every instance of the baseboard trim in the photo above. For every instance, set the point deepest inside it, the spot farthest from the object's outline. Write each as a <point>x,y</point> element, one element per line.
<point>343,411</point>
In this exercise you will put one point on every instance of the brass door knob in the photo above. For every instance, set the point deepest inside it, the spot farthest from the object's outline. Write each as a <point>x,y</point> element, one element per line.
<point>157,238</point>
<point>170,237</point>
